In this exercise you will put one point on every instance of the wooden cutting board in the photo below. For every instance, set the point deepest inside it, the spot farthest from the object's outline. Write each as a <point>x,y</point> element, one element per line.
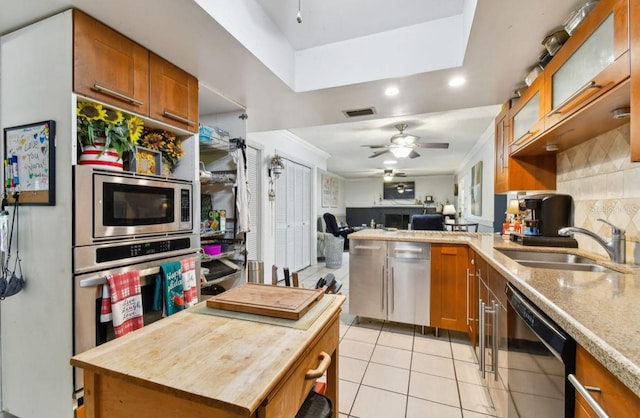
<point>269,300</point>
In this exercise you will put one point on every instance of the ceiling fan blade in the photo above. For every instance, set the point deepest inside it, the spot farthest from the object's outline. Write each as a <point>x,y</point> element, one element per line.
<point>400,174</point>
<point>378,153</point>
<point>374,146</point>
<point>438,145</point>
<point>414,154</point>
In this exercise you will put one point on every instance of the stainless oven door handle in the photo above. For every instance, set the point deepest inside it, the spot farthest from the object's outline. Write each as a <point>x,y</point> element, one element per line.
<point>96,281</point>
<point>495,339</point>
<point>481,310</point>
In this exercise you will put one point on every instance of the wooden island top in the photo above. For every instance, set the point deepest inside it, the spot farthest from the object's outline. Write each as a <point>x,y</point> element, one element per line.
<point>197,364</point>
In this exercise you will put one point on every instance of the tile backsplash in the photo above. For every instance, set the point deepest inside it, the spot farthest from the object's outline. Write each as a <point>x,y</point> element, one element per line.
<point>604,184</point>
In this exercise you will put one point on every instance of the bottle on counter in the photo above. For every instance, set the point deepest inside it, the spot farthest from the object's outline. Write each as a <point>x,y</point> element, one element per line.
<point>372,224</point>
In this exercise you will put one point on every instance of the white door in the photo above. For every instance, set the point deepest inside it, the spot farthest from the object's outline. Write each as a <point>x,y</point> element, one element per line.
<point>293,216</point>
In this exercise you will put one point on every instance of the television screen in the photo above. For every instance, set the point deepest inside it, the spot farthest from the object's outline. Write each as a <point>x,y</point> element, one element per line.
<point>399,190</point>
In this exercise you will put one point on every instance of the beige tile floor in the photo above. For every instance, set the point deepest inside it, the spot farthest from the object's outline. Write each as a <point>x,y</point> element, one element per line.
<point>390,370</point>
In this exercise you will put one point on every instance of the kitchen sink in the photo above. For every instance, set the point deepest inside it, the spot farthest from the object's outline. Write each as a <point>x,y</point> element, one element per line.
<point>555,260</point>
<point>547,256</point>
<point>566,266</point>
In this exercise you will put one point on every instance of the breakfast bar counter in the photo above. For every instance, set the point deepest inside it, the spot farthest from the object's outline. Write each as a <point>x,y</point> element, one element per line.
<point>196,363</point>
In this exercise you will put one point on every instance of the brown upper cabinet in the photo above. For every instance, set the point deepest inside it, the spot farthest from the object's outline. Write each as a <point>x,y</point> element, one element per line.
<point>113,69</point>
<point>174,95</point>
<point>536,172</point>
<point>587,79</point>
<point>108,66</point>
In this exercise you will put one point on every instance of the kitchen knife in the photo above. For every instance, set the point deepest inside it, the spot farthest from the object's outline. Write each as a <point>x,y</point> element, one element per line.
<point>287,282</point>
<point>294,279</point>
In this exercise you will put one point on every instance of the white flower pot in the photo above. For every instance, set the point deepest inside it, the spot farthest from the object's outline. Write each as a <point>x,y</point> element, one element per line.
<point>96,156</point>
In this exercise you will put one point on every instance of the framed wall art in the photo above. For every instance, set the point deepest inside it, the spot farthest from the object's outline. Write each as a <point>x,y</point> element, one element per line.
<point>29,162</point>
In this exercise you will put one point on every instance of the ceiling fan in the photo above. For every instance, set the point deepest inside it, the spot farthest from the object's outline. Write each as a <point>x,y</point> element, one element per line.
<point>388,174</point>
<point>403,145</point>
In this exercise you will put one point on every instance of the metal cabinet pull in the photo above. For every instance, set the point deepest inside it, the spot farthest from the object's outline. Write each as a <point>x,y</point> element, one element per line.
<point>393,291</point>
<point>481,308</point>
<point>468,296</point>
<point>590,85</point>
<point>382,292</point>
<point>113,93</point>
<point>408,249</point>
<point>177,117</point>
<point>495,339</point>
<point>367,247</point>
<point>325,362</point>
<point>582,390</point>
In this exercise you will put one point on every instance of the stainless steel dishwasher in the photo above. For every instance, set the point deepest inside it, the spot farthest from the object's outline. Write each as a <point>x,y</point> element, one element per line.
<point>409,282</point>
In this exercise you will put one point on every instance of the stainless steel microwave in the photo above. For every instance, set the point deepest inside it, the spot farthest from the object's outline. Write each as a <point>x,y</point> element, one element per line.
<point>122,205</point>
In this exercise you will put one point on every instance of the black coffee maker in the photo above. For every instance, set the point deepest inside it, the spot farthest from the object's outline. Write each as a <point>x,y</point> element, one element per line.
<point>549,213</point>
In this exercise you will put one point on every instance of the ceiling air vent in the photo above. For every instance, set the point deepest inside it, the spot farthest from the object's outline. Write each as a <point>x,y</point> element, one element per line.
<point>367,111</point>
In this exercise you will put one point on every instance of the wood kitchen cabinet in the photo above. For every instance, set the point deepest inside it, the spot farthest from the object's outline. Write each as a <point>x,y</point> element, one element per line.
<point>472,299</point>
<point>527,115</point>
<point>449,279</point>
<point>634,32</point>
<point>113,69</point>
<point>613,396</point>
<point>592,61</point>
<point>108,66</point>
<point>526,173</point>
<point>173,94</point>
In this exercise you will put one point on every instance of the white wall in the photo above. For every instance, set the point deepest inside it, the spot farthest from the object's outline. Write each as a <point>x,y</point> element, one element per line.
<point>37,323</point>
<point>293,148</point>
<point>368,192</point>
<point>484,151</point>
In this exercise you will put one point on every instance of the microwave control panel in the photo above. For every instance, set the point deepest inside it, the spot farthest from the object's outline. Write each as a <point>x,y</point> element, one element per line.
<point>140,249</point>
<point>185,205</point>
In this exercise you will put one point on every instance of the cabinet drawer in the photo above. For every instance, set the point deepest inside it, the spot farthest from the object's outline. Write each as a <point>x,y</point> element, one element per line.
<point>285,400</point>
<point>614,397</point>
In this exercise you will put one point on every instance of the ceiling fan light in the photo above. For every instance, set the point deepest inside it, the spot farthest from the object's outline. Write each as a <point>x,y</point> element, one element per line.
<point>403,139</point>
<point>387,177</point>
<point>401,152</point>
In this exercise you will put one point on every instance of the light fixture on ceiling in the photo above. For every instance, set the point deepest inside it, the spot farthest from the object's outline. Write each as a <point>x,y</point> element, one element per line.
<point>401,151</point>
<point>391,91</point>
<point>457,81</point>
<point>389,162</point>
<point>388,175</point>
<point>299,16</point>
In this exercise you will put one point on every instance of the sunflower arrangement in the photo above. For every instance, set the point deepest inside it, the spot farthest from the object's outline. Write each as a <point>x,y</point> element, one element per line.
<point>97,124</point>
<point>166,143</point>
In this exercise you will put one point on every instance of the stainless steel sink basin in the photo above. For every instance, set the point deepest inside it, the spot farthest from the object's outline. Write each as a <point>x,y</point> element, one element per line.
<point>566,266</point>
<point>546,256</point>
<point>555,260</point>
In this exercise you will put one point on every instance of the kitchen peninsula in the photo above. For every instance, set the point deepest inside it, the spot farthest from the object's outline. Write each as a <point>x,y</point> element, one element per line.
<point>599,310</point>
<point>197,364</point>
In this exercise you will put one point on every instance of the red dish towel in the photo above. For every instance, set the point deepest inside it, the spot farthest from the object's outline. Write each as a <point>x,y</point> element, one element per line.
<point>126,302</point>
<point>189,282</point>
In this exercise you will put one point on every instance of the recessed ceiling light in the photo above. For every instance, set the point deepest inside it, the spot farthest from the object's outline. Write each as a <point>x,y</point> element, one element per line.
<point>390,162</point>
<point>457,81</point>
<point>391,91</point>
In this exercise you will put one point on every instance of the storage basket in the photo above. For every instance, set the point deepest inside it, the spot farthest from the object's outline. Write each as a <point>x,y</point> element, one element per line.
<point>333,248</point>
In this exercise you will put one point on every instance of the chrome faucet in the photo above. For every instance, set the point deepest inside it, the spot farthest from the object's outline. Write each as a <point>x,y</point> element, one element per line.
<point>616,248</point>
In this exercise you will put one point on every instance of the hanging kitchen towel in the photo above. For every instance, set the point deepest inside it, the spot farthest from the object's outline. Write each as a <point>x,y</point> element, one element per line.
<point>171,277</point>
<point>105,307</point>
<point>126,302</point>
<point>189,282</point>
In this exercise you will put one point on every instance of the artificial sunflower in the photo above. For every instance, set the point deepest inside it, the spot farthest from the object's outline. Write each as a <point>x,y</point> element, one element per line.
<point>91,111</point>
<point>136,126</point>
<point>153,140</point>
<point>112,116</point>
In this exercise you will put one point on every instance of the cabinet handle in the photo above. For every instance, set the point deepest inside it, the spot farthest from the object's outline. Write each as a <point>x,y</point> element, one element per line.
<point>113,93</point>
<point>495,340</point>
<point>393,291</point>
<point>382,292</point>
<point>467,296</point>
<point>408,250</point>
<point>367,247</point>
<point>530,132</point>
<point>584,391</point>
<point>325,361</point>
<point>176,117</point>
<point>590,85</point>
<point>481,332</point>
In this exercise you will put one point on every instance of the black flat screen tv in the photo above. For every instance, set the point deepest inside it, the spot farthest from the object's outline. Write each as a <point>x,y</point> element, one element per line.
<point>399,190</point>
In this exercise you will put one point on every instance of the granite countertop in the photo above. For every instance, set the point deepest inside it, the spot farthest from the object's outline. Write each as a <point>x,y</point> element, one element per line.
<point>599,310</point>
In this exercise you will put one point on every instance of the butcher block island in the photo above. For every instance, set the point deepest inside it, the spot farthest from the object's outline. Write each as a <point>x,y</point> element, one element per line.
<point>207,363</point>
